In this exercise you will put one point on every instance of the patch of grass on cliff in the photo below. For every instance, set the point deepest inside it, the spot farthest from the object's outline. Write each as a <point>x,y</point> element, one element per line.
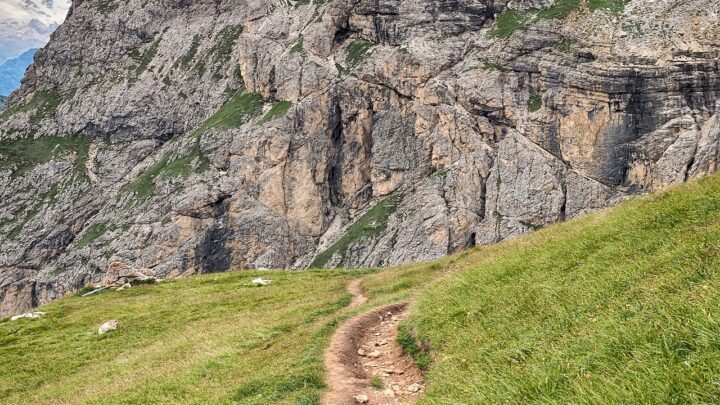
<point>298,47</point>
<point>21,155</point>
<point>91,234</point>
<point>492,66</point>
<point>534,103</point>
<point>371,224</point>
<point>43,104</point>
<point>224,43</point>
<point>143,60</point>
<point>511,20</point>
<point>185,61</point>
<point>242,106</point>
<point>206,339</point>
<point>358,50</point>
<point>618,307</point>
<point>279,109</point>
<point>508,22</point>
<point>168,166</point>
<point>560,9</point>
<point>107,8</point>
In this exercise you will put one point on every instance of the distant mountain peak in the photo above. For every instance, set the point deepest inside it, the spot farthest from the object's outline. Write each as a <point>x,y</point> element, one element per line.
<point>13,70</point>
<point>26,24</point>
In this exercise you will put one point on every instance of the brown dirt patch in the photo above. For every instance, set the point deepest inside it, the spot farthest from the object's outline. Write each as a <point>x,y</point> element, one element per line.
<point>364,352</point>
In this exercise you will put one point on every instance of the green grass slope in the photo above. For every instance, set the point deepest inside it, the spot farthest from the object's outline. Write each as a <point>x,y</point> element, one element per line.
<point>208,339</point>
<point>619,307</point>
<point>622,306</point>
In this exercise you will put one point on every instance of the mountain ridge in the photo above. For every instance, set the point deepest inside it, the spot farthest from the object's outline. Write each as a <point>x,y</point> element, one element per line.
<point>13,70</point>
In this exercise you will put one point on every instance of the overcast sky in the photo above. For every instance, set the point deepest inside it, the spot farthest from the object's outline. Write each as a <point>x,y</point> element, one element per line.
<point>26,10</point>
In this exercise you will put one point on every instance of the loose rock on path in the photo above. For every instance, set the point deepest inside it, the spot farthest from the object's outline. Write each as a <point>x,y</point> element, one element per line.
<point>364,351</point>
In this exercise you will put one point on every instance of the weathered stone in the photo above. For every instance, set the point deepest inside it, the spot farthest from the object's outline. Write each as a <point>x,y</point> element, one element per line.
<point>108,326</point>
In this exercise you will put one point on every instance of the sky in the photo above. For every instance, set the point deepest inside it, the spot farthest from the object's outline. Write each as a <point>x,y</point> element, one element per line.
<point>26,24</point>
<point>47,11</point>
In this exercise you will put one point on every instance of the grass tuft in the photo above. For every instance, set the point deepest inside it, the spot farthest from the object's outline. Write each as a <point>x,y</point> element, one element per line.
<point>534,103</point>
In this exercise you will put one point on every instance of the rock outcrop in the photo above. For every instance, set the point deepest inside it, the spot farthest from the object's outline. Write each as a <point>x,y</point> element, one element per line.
<point>185,137</point>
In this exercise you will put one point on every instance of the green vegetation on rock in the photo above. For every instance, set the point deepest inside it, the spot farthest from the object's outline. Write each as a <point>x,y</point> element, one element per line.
<point>168,166</point>
<point>279,109</point>
<point>91,234</point>
<point>224,44</point>
<point>491,66</point>
<point>511,20</point>
<point>534,103</point>
<point>369,225</point>
<point>143,60</point>
<point>566,45</point>
<point>44,199</point>
<point>235,112</point>
<point>185,61</point>
<point>357,50</point>
<point>21,155</point>
<point>298,47</point>
<point>43,104</point>
<point>560,9</point>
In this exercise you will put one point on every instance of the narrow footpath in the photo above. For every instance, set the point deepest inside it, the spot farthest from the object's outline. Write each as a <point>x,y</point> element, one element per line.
<point>364,362</point>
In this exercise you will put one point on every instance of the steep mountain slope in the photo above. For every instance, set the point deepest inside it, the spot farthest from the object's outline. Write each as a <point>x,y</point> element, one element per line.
<point>13,70</point>
<point>617,307</point>
<point>185,137</point>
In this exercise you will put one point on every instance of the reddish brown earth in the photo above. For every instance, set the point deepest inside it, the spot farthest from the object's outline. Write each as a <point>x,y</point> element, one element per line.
<point>364,351</point>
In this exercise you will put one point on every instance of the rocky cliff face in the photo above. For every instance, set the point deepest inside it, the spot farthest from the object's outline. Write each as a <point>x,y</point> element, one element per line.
<point>187,137</point>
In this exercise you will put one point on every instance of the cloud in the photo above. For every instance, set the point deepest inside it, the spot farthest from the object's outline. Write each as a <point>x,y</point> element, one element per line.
<point>47,11</point>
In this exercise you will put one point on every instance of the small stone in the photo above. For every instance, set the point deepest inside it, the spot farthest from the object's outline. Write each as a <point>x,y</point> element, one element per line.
<point>261,281</point>
<point>388,371</point>
<point>382,342</point>
<point>108,326</point>
<point>374,354</point>
<point>361,399</point>
<point>389,393</point>
<point>361,352</point>
<point>414,388</point>
<point>31,315</point>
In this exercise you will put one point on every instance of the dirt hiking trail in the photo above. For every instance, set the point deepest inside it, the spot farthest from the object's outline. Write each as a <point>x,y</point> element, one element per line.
<point>364,362</point>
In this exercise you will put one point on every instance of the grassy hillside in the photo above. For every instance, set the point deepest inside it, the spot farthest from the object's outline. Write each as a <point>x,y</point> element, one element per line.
<point>208,339</point>
<point>618,307</point>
